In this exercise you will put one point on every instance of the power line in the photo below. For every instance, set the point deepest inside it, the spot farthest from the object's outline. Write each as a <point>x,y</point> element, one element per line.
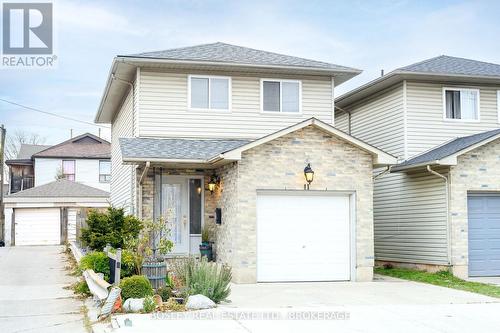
<point>52,114</point>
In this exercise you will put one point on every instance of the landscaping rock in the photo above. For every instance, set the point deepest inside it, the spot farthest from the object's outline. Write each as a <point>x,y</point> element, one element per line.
<point>134,305</point>
<point>198,302</point>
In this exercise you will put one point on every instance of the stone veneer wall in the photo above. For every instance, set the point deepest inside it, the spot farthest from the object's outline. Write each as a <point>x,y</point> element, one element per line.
<point>279,164</point>
<point>476,171</point>
<point>148,191</point>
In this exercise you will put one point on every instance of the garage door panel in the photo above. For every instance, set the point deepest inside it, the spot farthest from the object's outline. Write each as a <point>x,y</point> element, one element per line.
<point>484,235</point>
<point>37,226</point>
<point>303,238</point>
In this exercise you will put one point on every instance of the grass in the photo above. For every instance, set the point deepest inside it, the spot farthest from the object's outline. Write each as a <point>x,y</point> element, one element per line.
<point>442,278</point>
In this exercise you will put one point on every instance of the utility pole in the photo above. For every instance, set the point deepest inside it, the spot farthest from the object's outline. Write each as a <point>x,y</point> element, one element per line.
<point>2,162</point>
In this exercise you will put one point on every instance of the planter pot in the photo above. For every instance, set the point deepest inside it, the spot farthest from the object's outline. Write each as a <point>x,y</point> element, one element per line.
<point>206,250</point>
<point>156,272</point>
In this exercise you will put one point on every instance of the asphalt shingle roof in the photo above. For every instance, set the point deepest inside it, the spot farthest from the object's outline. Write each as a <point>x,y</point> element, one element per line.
<point>83,146</point>
<point>61,188</point>
<point>28,150</point>
<point>453,65</point>
<point>228,53</point>
<point>449,148</point>
<point>144,148</point>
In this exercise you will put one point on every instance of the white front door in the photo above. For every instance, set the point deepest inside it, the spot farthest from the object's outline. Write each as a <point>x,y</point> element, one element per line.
<point>37,226</point>
<point>303,237</point>
<point>175,211</point>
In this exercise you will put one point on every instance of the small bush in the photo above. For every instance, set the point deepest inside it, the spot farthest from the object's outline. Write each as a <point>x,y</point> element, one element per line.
<point>164,292</point>
<point>173,305</point>
<point>99,262</point>
<point>111,227</point>
<point>81,288</point>
<point>149,304</point>
<point>203,277</point>
<point>136,286</point>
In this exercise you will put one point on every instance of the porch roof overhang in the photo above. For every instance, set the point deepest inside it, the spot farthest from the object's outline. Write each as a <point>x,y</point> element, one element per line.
<point>447,154</point>
<point>213,153</point>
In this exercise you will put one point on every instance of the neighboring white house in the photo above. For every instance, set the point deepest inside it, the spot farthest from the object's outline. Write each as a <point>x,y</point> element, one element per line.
<point>223,136</point>
<point>440,206</point>
<point>84,159</point>
<point>69,179</point>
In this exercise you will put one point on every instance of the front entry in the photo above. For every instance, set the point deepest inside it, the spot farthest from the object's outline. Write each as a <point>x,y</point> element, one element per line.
<point>181,199</point>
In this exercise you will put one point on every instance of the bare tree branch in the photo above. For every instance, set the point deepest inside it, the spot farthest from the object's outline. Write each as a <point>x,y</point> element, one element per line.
<point>17,138</point>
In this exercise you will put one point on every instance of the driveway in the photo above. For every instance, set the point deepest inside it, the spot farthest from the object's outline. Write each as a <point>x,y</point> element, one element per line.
<point>385,305</point>
<point>32,298</point>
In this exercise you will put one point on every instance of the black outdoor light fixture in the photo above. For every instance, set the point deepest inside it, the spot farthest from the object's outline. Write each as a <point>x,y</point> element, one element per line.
<point>309,175</point>
<point>212,182</point>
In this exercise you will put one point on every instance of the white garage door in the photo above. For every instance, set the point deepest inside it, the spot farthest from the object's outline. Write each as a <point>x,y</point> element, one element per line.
<point>37,226</point>
<point>303,237</point>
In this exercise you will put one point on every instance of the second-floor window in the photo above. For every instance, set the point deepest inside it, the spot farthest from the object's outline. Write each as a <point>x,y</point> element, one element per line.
<point>209,92</point>
<point>104,171</point>
<point>461,104</point>
<point>68,169</point>
<point>281,95</point>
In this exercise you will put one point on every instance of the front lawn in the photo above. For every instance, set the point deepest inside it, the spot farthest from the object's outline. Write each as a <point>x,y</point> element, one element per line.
<point>442,278</point>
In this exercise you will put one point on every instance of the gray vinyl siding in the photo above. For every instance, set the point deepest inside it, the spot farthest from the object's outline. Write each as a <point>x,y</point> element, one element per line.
<point>410,218</point>
<point>342,121</point>
<point>378,120</point>
<point>426,127</point>
<point>163,107</point>
<point>122,176</point>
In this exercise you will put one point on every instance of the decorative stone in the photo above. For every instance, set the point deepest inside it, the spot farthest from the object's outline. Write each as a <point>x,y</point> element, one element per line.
<point>199,302</point>
<point>133,305</point>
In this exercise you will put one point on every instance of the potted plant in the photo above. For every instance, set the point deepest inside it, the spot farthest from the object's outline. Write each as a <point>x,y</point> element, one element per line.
<point>206,244</point>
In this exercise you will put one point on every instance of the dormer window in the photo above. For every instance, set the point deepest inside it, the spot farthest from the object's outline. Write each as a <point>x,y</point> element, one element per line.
<point>461,104</point>
<point>209,92</point>
<point>281,95</point>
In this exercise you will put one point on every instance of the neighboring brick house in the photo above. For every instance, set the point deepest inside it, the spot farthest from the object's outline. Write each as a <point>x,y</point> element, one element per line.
<point>219,135</point>
<point>52,186</point>
<point>440,207</point>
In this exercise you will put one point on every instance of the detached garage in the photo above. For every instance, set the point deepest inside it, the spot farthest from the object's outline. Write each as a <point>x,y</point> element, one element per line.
<point>46,214</point>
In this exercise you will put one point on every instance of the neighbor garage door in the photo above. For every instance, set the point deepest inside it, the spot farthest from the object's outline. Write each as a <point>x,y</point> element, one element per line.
<point>37,226</point>
<point>303,237</point>
<point>484,235</point>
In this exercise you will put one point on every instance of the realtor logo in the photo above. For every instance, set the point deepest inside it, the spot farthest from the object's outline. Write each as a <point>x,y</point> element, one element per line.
<point>27,28</point>
<point>28,35</point>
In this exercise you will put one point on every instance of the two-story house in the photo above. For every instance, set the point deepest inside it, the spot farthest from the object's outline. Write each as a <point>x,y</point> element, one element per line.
<point>242,141</point>
<point>440,206</point>
<point>54,186</point>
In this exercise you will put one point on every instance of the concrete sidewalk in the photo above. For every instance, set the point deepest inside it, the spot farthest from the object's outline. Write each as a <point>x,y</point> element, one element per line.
<point>32,294</point>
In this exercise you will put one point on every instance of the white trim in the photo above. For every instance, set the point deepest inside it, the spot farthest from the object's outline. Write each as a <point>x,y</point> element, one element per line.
<point>498,105</point>
<point>280,112</point>
<point>136,105</point>
<point>478,105</point>
<point>332,85</point>
<point>229,92</point>
<point>405,120</point>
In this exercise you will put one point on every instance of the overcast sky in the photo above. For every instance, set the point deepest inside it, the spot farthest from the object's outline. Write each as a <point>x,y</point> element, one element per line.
<point>369,35</point>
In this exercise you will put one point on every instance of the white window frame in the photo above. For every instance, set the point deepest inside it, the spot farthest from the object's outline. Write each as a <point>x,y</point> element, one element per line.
<point>281,97</point>
<point>104,174</point>
<point>229,87</point>
<point>462,120</point>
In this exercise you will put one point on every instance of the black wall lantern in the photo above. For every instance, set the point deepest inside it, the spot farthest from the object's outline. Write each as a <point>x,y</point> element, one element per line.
<point>214,180</point>
<point>308,175</point>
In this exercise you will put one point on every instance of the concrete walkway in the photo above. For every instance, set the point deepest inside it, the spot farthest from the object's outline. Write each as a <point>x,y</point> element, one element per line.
<point>32,298</point>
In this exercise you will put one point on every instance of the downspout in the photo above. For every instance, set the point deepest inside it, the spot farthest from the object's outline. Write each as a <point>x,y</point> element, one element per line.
<point>143,174</point>
<point>387,169</point>
<point>448,227</point>
<point>132,182</point>
<point>348,119</point>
